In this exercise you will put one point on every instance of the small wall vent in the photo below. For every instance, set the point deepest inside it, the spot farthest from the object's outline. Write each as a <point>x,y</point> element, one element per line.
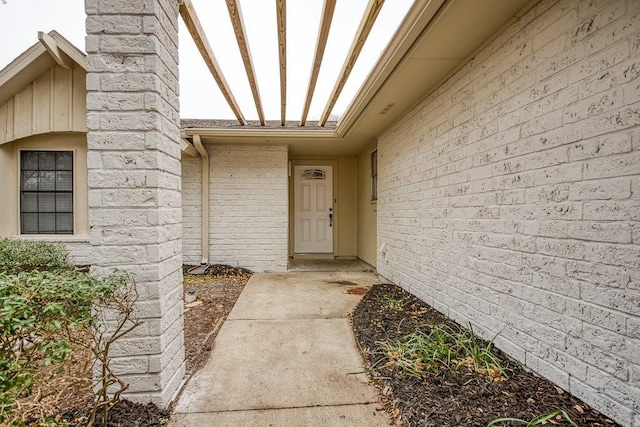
<point>386,108</point>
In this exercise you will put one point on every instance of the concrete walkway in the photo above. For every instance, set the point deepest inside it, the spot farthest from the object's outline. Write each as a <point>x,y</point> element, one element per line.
<point>286,356</point>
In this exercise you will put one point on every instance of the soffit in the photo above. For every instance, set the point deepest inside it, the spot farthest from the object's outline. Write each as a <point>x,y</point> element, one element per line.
<point>446,43</point>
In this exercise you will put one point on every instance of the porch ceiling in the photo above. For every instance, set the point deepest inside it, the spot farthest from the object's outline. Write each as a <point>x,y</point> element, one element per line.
<point>436,38</point>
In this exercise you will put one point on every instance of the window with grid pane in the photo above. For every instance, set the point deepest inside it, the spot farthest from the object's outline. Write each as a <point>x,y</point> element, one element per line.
<point>46,192</point>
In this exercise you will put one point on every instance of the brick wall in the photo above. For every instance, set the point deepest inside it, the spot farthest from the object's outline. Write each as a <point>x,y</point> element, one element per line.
<point>249,207</point>
<point>191,209</point>
<point>510,198</point>
<point>134,174</point>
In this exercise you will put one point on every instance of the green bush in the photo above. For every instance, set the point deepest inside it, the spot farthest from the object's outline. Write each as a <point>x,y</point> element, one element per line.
<point>18,256</point>
<point>39,313</point>
<point>48,309</point>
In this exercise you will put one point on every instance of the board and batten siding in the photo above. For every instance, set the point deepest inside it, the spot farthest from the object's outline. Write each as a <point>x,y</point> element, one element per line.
<point>510,198</point>
<point>55,102</point>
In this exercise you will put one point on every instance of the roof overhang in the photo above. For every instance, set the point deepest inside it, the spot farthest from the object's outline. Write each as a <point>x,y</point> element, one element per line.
<point>435,40</point>
<point>299,141</point>
<point>50,49</point>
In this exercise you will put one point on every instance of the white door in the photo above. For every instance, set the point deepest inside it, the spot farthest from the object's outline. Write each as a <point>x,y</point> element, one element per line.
<point>313,209</point>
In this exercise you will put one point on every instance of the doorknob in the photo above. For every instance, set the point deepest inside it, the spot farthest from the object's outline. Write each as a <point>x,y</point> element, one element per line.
<point>330,217</point>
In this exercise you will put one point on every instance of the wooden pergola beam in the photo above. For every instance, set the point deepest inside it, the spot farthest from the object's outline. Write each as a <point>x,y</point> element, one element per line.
<point>281,12</point>
<point>368,19</point>
<point>192,23</point>
<point>241,38</point>
<point>323,35</point>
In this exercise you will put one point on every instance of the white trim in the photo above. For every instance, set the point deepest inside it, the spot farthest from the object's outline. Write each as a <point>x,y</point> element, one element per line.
<point>60,238</point>
<point>263,133</point>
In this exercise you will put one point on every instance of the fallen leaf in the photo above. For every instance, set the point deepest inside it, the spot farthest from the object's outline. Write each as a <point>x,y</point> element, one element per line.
<point>579,408</point>
<point>559,390</point>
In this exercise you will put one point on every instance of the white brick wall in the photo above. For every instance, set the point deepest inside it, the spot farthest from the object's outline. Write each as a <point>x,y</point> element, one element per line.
<point>134,174</point>
<point>191,209</point>
<point>510,198</point>
<point>249,207</point>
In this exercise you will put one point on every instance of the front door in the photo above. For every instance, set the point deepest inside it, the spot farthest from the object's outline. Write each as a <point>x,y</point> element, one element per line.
<point>313,209</point>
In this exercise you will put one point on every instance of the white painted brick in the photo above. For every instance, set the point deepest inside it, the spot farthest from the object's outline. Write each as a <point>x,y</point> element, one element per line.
<point>135,204</point>
<point>537,235</point>
<point>624,300</point>
<point>548,370</point>
<point>606,361</point>
<point>618,188</point>
<point>627,395</point>
<point>613,210</point>
<point>602,402</point>
<point>249,207</point>
<point>619,165</point>
<point>597,273</point>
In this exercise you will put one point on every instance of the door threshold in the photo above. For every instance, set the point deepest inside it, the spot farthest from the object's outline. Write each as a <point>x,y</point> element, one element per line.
<point>313,256</point>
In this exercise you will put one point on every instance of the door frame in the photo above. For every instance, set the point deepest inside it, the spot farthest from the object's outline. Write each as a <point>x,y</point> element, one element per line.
<point>336,208</point>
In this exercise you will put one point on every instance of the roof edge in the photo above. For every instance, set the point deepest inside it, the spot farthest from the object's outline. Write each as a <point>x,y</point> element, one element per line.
<point>77,55</point>
<point>418,17</point>
<point>17,73</point>
<point>262,133</point>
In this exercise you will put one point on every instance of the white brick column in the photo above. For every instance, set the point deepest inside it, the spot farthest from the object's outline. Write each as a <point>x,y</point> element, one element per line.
<point>134,179</point>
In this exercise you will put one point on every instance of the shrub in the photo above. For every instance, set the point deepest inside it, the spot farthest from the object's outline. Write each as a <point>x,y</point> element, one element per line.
<point>40,314</point>
<point>18,256</point>
<point>47,310</point>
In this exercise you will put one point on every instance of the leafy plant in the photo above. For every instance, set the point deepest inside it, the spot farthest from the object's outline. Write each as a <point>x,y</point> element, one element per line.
<point>18,256</point>
<point>48,311</point>
<point>538,421</point>
<point>40,314</point>
<point>442,350</point>
<point>392,302</point>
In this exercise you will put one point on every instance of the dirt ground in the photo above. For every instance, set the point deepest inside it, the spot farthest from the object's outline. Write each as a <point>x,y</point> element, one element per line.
<point>216,293</point>
<point>468,399</point>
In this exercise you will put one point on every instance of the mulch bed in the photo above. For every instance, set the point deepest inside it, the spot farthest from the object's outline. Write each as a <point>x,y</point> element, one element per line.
<point>216,293</point>
<point>123,414</point>
<point>467,400</point>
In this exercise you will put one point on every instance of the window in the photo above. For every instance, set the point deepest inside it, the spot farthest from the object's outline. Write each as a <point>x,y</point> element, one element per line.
<point>374,175</point>
<point>314,174</point>
<point>46,192</point>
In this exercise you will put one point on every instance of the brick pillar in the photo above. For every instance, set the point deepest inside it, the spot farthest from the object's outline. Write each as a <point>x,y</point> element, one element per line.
<point>134,175</point>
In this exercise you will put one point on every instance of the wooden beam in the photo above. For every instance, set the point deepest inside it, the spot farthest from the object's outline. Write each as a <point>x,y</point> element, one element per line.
<point>238,27</point>
<point>192,23</point>
<point>51,45</point>
<point>281,11</point>
<point>188,148</point>
<point>323,34</point>
<point>368,19</point>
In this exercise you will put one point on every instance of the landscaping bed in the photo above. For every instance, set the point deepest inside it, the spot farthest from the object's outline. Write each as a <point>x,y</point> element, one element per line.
<point>391,325</point>
<point>216,293</point>
<point>70,396</point>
